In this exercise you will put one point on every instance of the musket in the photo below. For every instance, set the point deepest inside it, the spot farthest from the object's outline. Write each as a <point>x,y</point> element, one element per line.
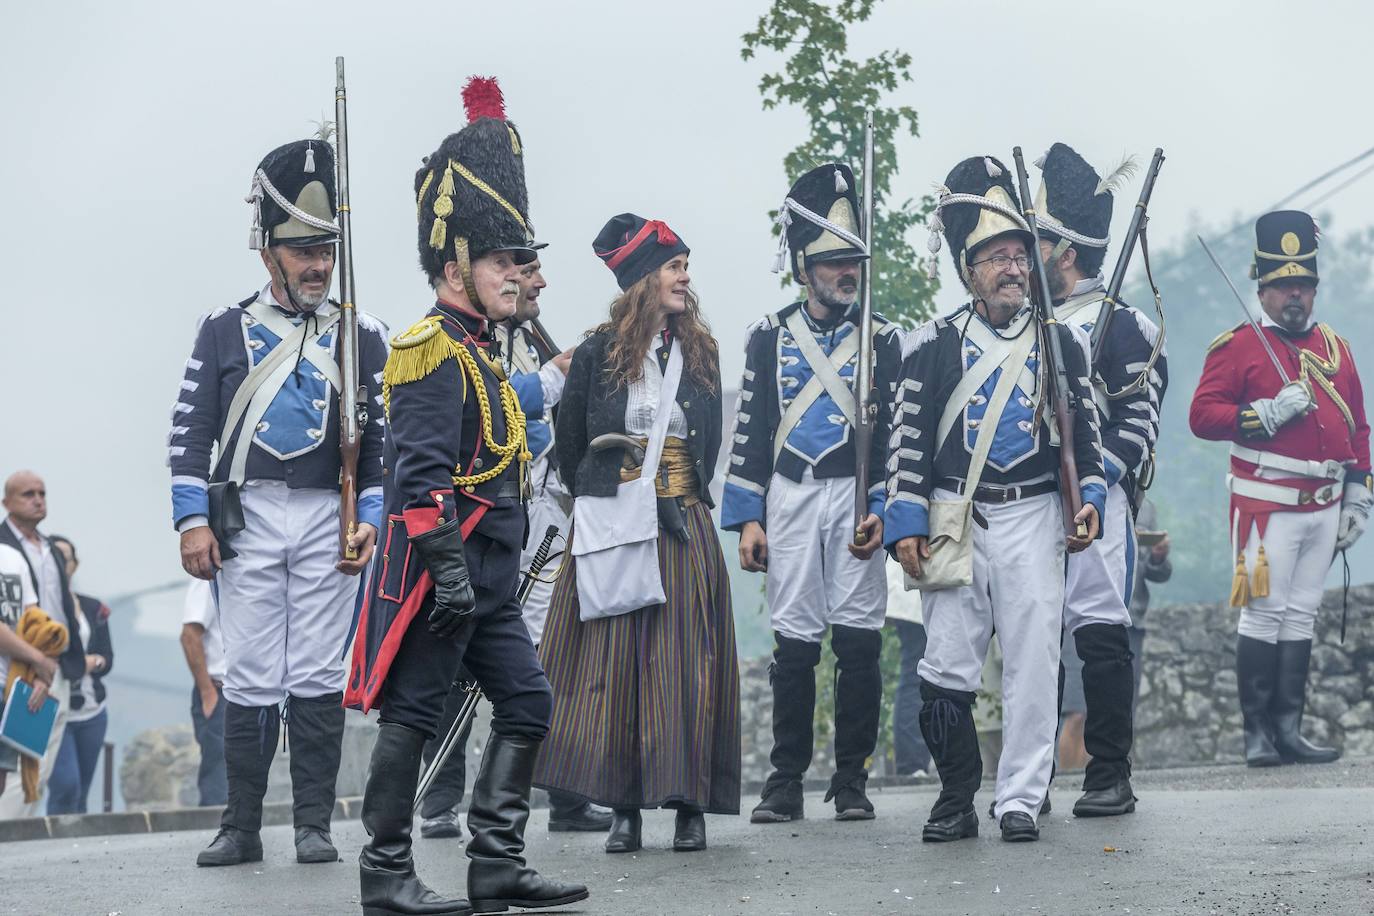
<point>1135,231</point>
<point>1254,325</point>
<point>543,340</point>
<point>468,711</point>
<point>352,396</point>
<point>865,408</point>
<point>1060,393</point>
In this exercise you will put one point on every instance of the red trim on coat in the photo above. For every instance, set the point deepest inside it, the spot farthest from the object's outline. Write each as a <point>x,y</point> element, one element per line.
<point>364,686</point>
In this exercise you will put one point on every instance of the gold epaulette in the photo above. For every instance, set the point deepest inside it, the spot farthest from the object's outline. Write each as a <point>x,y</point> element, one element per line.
<point>415,353</point>
<point>1222,338</point>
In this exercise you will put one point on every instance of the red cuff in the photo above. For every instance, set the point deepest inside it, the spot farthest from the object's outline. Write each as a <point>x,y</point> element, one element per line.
<point>427,518</point>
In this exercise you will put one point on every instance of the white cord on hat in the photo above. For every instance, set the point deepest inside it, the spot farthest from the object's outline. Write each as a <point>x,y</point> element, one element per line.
<point>790,206</point>
<point>257,237</point>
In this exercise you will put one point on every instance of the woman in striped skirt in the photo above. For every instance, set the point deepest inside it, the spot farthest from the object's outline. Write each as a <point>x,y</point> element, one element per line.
<point>646,704</point>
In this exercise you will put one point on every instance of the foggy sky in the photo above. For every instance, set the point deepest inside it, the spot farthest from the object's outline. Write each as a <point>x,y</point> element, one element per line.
<point>132,130</point>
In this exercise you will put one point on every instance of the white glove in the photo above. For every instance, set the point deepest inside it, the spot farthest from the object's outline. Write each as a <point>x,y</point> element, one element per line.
<point>1293,400</point>
<point>1355,504</point>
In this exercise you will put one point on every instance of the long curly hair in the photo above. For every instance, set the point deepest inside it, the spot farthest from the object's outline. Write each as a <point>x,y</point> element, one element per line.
<point>634,322</point>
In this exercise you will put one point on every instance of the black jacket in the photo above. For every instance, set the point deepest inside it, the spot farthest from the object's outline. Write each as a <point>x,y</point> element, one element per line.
<point>591,406</point>
<point>100,644</point>
<point>73,660</point>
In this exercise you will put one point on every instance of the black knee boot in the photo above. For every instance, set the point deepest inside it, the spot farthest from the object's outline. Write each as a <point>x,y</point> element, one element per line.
<point>314,731</point>
<point>947,724</point>
<point>793,679</point>
<point>858,696</point>
<point>1256,662</point>
<point>498,877</point>
<point>1290,697</point>
<point>1108,732</point>
<point>386,869</point>
<point>250,741</point>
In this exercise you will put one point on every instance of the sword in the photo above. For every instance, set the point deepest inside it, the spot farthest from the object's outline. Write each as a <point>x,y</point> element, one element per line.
<point>1254,325</point>
<point>468,711</point>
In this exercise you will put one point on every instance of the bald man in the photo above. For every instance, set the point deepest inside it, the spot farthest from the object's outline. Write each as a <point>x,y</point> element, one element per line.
<point>26,505</point>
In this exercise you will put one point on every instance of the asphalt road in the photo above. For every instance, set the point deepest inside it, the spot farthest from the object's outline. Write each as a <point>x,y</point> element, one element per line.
<point>1219,841</point>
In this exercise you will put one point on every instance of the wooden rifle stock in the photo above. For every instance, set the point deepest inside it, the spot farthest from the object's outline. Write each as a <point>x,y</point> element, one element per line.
<point>1060,393</point>
<point>352,396</point>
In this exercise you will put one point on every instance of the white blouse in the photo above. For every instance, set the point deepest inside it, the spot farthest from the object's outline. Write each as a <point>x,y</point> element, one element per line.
<point>642,403</point>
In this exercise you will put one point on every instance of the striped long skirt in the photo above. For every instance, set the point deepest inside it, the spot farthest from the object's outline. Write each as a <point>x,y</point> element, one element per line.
<point>646,704</point>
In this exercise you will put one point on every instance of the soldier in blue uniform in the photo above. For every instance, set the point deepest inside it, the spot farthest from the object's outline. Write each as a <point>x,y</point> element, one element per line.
<point>262,385</point>
<point>790,494</point>
<point>1130,373</point>
<point>951,390</point>
<point>442,592</point>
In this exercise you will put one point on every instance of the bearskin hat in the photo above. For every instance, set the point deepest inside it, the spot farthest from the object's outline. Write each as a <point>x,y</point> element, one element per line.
<point>470,193</point>
<point>1074,204</point>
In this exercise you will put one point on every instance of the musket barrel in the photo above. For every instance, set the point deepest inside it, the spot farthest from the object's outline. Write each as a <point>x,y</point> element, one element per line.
<point>1058,374</point>
<point>1139,217</point>
<point>352,397</point>
<point>863,370</point>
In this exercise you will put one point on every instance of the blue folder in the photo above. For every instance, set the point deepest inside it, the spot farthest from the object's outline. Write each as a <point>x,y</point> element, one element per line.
<point>27,732</point>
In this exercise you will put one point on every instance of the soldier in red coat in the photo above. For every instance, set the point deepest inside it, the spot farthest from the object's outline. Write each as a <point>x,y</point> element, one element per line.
<point>1300,481</point>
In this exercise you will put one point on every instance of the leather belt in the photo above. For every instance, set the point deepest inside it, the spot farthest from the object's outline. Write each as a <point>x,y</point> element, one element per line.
<point>510,489</point>
<point>985,493</point>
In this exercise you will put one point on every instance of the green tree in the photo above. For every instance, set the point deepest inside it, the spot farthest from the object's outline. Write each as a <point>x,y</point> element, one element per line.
<point>836,91</point>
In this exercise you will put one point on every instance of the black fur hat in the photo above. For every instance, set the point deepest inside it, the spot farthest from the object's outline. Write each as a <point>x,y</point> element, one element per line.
<point>470,194</point>
<point>1074,203</point>
<point>977,203</point>
<point>299,175</point>
<point>1285,247</point>
<point>829,192</point>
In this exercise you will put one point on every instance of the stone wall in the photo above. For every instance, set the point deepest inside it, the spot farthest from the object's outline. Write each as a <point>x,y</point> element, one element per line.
<point>1189,711</point>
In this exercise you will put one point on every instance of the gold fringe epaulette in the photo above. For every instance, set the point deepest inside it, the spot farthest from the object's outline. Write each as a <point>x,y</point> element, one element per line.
<point>415,353</point>
<point>1223,338</point>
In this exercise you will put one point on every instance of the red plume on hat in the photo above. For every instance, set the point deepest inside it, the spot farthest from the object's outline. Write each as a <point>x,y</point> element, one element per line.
<point>482,99</point>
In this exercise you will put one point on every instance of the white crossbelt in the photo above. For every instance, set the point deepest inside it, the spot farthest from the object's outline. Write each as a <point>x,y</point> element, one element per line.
<point>1318,470</point>
<point>998,351</point>
<point>825,376</point>
<point>264,380</point>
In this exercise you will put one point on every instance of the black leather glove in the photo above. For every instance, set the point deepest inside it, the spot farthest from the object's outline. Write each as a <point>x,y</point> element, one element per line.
<point>454,601</point>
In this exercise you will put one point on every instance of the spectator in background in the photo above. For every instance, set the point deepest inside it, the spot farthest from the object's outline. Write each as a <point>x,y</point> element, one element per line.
<point>26,502</point>
<point>200,641</point>
<point>17,595</point>
<point>1152,565</point>
<point>910,754</point>
<point>70,783</point>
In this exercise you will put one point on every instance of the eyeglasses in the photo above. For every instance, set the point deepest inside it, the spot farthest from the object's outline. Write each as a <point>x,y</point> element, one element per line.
<point>1001,262</point>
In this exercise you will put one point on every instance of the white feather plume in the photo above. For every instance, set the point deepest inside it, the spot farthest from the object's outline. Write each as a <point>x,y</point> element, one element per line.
<point>1117,177</point>
<point>993,170</point>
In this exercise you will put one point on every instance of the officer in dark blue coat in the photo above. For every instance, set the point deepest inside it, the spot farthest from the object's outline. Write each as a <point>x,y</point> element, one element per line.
<point>443,590</point>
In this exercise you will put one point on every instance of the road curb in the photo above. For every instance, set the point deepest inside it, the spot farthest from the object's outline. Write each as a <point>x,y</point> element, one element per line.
<point>80,826</point>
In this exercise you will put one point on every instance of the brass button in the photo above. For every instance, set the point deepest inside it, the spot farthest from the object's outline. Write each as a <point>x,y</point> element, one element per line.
<point>469,489</point>
<point>691,432</point>
<point>686,404</point>
<point>477,462</point>
<point>439,498</point>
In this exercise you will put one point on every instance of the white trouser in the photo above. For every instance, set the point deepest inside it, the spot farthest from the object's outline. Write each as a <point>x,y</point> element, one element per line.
<point>813,580</point>
<point>12,803</point>
<point>1298,547</point>
<point>1097,589</point>
<point>284,609</point>
<point>1017,592</point>
<point>544,510</point>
